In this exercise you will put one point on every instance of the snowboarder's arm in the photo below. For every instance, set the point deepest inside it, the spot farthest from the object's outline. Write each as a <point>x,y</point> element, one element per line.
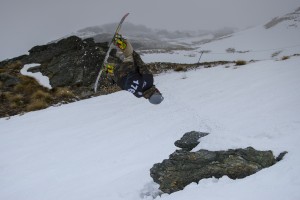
<point>125,46</point>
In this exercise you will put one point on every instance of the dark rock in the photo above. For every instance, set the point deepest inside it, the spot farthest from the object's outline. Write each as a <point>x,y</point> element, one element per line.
<point>70,61</point>
<point>34,69</point>
<point>8,80</point>
<point>183,167</point>
<point>190,140</point>
<point>281,155</point>
<point>7,61</point>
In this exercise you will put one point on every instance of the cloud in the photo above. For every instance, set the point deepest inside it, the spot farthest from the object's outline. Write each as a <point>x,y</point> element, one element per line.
<point>32,22</point>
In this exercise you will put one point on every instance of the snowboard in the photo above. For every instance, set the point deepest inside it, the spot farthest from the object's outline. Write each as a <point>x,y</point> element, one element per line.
<point>110,46</point>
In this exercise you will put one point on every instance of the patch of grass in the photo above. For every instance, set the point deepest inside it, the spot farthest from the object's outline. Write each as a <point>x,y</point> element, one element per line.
<point>18,88</point>
<point>37,104</point>
<point>108,90</point>
<point>28,85</point>
<point>27,80</point>
<point>64,92</point>
<point>240,62</point>
<point>13,105</point>
<point>41,95</point>
<point>18,99</point>
<point>285,57</point>
<point>26,89</point>
<point>15,65</point>
<point>14,100</point>
<point>179,69</point>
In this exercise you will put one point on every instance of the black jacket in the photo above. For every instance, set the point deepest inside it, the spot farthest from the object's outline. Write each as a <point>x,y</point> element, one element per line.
<point>134,76</point>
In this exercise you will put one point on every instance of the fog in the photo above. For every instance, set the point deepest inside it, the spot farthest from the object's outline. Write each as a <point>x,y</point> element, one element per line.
<point>25,23</point>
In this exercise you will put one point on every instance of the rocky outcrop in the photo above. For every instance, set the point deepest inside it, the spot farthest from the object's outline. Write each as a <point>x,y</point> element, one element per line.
<point>184,167</point>
<point>71,61</point>
<point>293,18</point>
<point>71,64</point>
<point>8,80</point>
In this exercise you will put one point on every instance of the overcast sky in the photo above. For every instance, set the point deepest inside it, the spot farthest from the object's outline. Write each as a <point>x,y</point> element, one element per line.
<point>25,23</point>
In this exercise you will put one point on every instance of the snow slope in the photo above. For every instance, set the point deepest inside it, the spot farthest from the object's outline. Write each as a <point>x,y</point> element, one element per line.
<point>103,148</point>
<point>258,43</point>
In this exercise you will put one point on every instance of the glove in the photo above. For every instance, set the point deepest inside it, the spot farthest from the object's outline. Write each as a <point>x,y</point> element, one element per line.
<point>120,42</point>
<point>149,92</point>
<point>125,46</point>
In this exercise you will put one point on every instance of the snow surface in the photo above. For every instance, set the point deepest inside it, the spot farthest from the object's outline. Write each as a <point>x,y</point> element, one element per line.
<point>261,44</point>
<point>104,147</point>
<point>43,80</point>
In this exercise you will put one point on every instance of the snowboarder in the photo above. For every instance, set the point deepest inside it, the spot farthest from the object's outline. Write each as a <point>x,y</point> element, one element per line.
<point>133,75</point>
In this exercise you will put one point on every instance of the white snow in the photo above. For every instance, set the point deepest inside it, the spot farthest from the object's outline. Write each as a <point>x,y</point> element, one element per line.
<point>43,80</point>
<point>104,147</point>
<point>259,41</point>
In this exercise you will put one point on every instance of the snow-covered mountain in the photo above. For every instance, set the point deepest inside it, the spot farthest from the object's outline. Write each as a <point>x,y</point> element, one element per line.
<point>277,38</point>
<point>145,39</point>
<point>103,147</point>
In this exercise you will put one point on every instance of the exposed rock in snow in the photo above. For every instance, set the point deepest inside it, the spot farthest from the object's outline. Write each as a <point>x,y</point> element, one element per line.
<point>184,167</point>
